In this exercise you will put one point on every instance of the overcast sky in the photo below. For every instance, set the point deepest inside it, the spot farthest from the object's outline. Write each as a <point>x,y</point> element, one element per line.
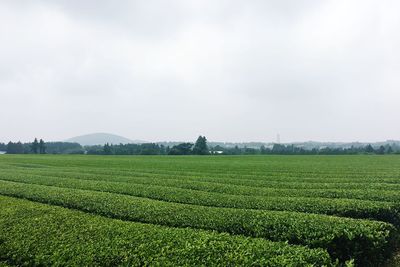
<point>233,70</point>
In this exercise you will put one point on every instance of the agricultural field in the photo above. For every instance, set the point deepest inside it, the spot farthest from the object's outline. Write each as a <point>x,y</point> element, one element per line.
<point>199,210</point>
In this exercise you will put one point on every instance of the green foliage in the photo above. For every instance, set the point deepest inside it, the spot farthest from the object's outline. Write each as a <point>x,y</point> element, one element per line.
<point>42,147</point>
<point>15,148</point>
<point>35,234</point>
<point>3,147</point>
<point>369,149</point>
<point>380,192</point>
<point>279,198</point>
<point>343,238</point>
<point>200,147</point>
<point>181,149</point>
<point>63,148</point>
<point>20,148</point>
<point>127,149</point>
<point>379,210</point>
<point>35,146</point>
<point>107,150</point>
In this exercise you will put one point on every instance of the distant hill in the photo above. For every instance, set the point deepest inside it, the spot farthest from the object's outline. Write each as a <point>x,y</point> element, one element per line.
<point>101,139</point>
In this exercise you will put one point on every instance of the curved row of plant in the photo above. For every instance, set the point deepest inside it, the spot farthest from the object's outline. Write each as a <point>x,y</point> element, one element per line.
<point>349,193</point>
<point>383,211</point>
<point>368,242</point>
<point>38,234</point>
<point>287,183</point>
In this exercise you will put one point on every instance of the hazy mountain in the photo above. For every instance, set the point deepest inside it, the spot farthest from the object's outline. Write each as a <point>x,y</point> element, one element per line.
<point>101,139</point>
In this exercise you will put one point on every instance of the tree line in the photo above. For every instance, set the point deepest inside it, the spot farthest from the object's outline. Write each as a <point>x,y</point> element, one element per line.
<point>41,147</point>
<point>200,147</point>
<point>281,149</point>
<point>36,147</point>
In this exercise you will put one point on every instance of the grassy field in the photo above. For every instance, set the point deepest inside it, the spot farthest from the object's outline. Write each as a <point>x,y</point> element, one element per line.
<point>222,210</point>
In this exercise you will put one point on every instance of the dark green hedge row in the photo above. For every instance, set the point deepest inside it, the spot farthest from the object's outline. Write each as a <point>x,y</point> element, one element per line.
<point>383,211</point>
<point>183,179</point>
<point>362,192</point>
<point>368,242</point>
<point>33,234</point>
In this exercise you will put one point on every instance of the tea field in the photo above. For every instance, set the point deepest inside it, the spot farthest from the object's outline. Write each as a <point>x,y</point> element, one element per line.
<point>199,210</point>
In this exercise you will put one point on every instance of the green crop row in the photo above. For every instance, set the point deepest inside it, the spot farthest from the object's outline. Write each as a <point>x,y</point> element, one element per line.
<point>383,211</point>
<point>368,242</point>
<point>249,166</point>
<point>358,169</point>
<point>185,181</point>
<point>349,186</point>
<point>156,169</point>
<point>321,183</point>
<point>359,193</point>
<point>33,234</point>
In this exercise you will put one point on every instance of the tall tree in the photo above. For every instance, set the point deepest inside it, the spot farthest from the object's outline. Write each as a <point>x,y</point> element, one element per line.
<point>42,147</point>
<point>200,147</point>
<point>35,146</point>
